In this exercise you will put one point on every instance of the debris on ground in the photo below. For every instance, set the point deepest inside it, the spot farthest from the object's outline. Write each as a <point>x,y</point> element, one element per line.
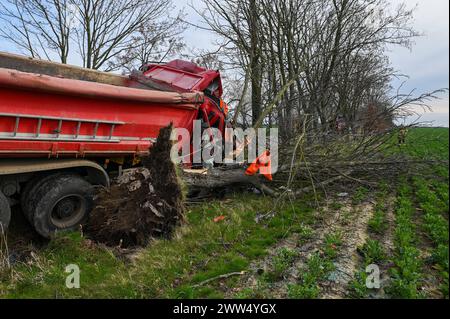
<point>142,204</point>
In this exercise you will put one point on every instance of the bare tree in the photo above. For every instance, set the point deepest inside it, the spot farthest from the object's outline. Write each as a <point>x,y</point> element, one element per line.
<point>154,42</point>
<point>238,22</point>
<point>109,27</point>
<point>332,52</point>
<point>41,28</point>
<point>99,32</point>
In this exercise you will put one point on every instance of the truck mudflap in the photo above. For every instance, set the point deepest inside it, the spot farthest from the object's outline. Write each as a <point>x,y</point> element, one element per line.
<point>96,174</point>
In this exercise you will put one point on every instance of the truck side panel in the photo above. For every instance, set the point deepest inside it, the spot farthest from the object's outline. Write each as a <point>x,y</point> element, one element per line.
<point>44,124</point>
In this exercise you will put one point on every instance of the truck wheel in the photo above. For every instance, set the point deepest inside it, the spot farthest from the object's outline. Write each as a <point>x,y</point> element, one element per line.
<point>29,192</point>
<point>5,213</point>
<point>62,203</point>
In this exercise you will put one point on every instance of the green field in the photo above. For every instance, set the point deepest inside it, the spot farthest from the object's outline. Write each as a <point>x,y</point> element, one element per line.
<point>291,250</point>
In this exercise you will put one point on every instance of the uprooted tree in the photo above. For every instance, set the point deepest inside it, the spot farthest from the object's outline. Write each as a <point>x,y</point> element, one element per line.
<point>149,202</point>
<point>143,203</point>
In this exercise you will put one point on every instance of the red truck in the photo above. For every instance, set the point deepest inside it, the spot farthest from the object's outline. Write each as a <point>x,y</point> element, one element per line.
<point>63,128</point>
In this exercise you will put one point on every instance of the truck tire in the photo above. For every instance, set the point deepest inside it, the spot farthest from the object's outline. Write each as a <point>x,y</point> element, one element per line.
<point>28,194</point>
<point>5,213</point>
<point>62,203</point>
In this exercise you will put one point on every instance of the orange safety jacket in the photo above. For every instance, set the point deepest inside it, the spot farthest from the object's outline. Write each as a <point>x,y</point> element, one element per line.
<point>224,107</point>
<point>263,165</point>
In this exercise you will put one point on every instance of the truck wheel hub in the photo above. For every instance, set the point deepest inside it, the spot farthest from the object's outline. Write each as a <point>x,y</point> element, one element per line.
<point>68,211</point>
<point>66,208</point>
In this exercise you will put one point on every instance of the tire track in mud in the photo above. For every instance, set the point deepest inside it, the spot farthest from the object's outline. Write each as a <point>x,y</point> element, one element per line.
<point>387,239</point>
<point>350,220</point>
<point>354,235</point>
<point>387,243</point>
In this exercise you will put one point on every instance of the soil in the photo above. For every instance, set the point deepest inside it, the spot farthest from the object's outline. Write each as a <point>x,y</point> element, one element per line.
<point>142,204</point>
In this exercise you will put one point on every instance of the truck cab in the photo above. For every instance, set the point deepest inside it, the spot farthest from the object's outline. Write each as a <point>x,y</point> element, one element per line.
<point>184,76</point>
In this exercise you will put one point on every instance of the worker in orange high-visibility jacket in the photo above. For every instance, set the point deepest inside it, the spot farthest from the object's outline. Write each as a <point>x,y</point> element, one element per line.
<point>224,107</point>
<point>263,165</point>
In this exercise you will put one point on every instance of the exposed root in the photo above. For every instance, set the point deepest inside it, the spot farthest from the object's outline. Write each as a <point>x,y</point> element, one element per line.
<point>143,204</point>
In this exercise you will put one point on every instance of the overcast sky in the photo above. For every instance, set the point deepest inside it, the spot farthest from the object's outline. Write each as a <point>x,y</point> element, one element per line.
<point>427,64</point>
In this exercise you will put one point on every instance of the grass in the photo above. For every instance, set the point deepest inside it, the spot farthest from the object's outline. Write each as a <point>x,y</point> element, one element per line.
<point>431,195</point>
<point>45,276</point>
<point>318,267</point>
<point>436,227</point>
<point>428,195</point>
<point>331,244</point>
<point>281,263</point>
<point>373,252</point>
<point>167,268</point>
<point>377,224</point>
<point>358,287</point>
<point>360,195</point>
<point>203,249</point>
<point>305,233</point>
<point>407,273</point>
<point>427,143</point>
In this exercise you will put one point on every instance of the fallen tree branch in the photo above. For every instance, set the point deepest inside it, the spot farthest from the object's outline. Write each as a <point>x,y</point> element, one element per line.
<point>216,178</point>
<point>321,184</point>
<point>309,165</point>
<point>355,179</point>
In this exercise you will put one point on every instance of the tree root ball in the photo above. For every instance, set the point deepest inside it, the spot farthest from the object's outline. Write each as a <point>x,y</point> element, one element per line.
<point>142,204</point>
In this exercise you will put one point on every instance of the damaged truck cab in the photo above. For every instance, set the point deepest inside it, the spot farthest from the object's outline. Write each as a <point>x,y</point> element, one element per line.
<point>64,128</point>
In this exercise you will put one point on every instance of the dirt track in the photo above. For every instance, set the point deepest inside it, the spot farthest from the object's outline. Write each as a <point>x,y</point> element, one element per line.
<point>351,222</point>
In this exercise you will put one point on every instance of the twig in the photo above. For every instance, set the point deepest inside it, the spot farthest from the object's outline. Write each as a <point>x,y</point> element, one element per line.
<point>225,276</point>
<point>355,179</point>
<point>324,183</point>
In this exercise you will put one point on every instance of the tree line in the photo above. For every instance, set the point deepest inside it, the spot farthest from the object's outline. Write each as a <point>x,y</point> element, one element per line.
<point>331,55</point>
<point>285,61</point>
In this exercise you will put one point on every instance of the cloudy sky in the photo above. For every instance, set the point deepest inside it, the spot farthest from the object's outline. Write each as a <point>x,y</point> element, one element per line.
<point>427,64</point>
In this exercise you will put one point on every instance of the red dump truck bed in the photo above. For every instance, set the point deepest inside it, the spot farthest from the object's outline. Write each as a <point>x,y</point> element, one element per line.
<point>50,116</point>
